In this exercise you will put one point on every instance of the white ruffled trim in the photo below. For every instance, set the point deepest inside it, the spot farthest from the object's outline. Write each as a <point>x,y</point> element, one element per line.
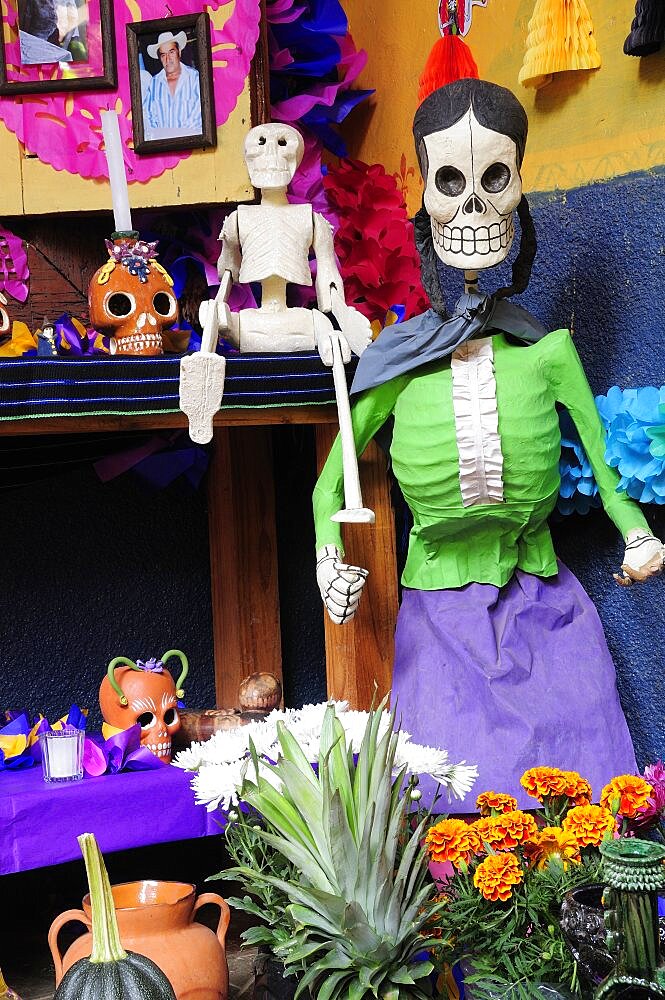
<point>477,423</point>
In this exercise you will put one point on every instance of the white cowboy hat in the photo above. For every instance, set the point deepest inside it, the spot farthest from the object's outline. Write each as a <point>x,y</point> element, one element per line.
<point>167,36</point>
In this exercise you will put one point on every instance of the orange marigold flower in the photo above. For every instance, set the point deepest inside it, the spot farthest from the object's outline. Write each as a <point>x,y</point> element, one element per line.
<point>489,803</point>
<point>632,793</point>
<point>495,875</point>
<point>577,788</point>
<point>543,782</point>
<point>505,832</point>
<point>452,840</point>
<point>553,842</point>
<point>590,825</point>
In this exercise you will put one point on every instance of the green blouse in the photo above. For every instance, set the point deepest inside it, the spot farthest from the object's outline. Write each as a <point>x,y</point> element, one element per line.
<point>451,545</point>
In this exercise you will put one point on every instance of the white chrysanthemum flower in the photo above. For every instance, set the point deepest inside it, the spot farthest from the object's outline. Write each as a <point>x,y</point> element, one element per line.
<point>417,758</point>
<point>355,724</point>
<point>217,785</point>
<point>264,737</point>
<point>285,715</point>
<point>455,779</point>
<point>225,747</point>
<point>189,759</point>
<point>458,779</point>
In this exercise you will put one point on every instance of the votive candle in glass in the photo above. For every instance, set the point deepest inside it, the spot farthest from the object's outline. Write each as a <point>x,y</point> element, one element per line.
<point>62,754</point>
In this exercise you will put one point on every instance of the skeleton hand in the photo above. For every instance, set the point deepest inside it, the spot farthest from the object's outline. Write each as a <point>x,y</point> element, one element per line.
<point>324,333</point>
<point>341,585</point>
<point>644,558</point>
<point>221,315</point>
<point>355,327</point>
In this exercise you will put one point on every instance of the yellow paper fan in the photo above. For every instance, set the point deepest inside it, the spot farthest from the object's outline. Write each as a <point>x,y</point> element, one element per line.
<point>560,37</point>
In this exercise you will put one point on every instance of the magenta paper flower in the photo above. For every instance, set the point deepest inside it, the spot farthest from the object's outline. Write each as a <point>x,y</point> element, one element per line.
<point>14,270</point>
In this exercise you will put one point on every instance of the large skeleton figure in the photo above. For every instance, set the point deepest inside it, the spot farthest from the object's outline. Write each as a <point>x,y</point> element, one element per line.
<point>270,243</point>
<point>475,449</point>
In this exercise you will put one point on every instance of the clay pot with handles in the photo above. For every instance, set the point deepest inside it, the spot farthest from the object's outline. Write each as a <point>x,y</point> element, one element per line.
<point>156,919</point>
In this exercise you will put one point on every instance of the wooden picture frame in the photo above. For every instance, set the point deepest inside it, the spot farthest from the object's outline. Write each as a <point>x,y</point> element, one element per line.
<point>89,46</point>
<point>162,124</point>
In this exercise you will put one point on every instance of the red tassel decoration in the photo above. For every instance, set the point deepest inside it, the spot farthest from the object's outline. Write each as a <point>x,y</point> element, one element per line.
<point>450,59</point>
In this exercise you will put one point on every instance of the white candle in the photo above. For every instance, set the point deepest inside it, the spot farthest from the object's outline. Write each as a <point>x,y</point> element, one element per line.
<point>113,145</point>
<point>62,755</point>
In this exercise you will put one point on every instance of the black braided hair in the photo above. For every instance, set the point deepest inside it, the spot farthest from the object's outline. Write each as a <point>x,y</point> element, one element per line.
<point>495,108</point>
<point>429,262</point>
<point>524,260</point>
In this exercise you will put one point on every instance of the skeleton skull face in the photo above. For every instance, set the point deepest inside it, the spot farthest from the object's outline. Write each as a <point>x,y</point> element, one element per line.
<point>151,701</point>
<point>131,300</point>
<point>273,153</point>
<point>472,187</point>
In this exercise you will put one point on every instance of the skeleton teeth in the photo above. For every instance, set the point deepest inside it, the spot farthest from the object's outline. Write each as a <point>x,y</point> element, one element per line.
<point>469,240</point>
<point>138,341</point>
<point>161,749</point>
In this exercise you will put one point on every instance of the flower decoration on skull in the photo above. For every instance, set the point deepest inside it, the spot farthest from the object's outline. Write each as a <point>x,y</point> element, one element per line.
<point>134,256</point>
<point>145,693</point>
<point>131,298</point>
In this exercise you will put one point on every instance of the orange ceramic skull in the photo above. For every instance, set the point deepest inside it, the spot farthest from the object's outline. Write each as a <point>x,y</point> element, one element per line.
<point>131,298</point>
<point>144,693</point>
<point>4,316</point>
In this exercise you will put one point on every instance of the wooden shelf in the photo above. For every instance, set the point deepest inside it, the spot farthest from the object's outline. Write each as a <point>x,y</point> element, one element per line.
<point>233,417</point>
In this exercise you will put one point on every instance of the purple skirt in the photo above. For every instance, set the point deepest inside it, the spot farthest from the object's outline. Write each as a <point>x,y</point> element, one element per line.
<point>510,678</point>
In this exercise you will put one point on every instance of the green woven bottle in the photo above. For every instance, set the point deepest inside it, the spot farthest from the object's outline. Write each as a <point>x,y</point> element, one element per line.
<point>634,872</point>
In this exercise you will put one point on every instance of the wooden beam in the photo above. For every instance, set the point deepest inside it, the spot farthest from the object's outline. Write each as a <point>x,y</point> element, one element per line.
<point>360,653</point>
<point>247,417</point>
<point>243,559</point>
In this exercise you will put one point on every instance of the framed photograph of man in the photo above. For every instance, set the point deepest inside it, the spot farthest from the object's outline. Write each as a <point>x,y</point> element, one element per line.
<point>170,75</point>
<point>52,46</point>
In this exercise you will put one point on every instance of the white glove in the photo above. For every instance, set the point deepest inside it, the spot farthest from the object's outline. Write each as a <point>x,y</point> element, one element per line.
<point>341,585</point>
<point>644,558</point>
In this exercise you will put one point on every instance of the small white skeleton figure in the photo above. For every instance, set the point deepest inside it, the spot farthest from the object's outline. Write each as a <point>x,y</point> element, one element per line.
<point>270,243</point>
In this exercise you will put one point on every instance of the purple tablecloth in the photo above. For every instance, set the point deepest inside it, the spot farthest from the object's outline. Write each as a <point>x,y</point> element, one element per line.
<point>39,823</point>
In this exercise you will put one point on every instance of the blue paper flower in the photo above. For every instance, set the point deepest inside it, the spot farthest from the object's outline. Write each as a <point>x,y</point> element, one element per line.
<point>578,491</point>
<point>634,420</point>
<point>635,423</point>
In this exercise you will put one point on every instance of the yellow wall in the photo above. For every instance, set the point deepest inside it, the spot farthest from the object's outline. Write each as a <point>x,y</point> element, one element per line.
<point>583,126</point>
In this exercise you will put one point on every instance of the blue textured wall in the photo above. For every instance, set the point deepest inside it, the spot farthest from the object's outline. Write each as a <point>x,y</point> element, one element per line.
<point>95,570</point>
<point>600,269</point>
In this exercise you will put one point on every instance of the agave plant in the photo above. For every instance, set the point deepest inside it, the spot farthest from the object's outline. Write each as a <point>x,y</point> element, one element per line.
<point>360,904</point>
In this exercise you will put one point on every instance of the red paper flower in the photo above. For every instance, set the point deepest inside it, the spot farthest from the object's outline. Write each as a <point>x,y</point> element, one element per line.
<point>374,241</point>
